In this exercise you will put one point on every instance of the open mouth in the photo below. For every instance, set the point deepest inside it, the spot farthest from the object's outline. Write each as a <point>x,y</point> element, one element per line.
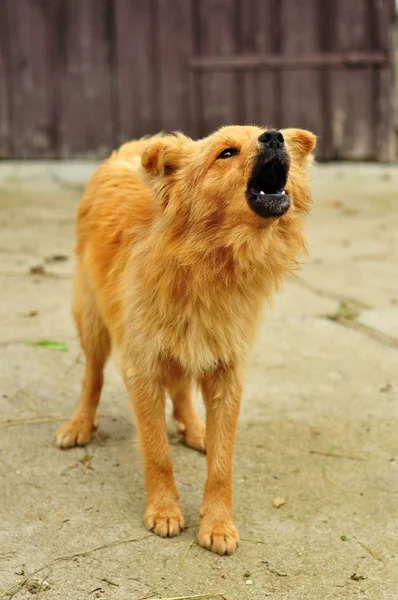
<point>266,192</point>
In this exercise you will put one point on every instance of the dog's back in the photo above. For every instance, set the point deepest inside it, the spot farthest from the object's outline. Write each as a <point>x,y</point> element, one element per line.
<point>116,208</point>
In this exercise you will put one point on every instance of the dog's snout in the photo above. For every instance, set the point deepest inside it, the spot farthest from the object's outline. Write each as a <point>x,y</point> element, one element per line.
<point>272,138</point>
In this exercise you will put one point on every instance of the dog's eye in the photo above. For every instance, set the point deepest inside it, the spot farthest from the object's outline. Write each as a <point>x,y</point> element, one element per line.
<point>228,152</point>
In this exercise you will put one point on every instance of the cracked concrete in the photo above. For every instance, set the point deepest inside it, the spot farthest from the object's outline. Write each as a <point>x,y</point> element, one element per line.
<point>318,425</point>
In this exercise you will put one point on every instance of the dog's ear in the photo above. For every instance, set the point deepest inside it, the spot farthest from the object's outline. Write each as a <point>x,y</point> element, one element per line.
<point>300,140</point>
<point>163,155</point>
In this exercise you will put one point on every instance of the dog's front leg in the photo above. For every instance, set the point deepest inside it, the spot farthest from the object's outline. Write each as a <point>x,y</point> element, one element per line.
<point>163,514</point>
<point>222,395</point>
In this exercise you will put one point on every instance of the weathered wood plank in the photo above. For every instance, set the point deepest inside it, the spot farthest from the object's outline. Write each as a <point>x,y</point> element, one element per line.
<point>269,40</point>
<point>259,34</point>
<point>5,116</point>
<point>217,37</point>
<point>248,79</point>
<point>195,78</point>
<point>80,76</point>
<point>325,18</point>
<point>352,90</point>
<point>301,93</point>
<point>385,132</point>
<point>86,114</point>
<point>137,58</point>
<point>175,44</point>
<point>31,80</point>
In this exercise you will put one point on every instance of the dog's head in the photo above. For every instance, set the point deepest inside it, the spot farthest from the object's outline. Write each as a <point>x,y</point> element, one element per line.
<point>238,175</point>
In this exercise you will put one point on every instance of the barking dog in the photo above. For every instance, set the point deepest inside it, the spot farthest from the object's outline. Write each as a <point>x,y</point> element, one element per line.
<point>179,242</point>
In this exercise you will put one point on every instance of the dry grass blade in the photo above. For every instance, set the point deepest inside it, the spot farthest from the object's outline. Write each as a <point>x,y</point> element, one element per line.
<point>336,455</point>
<point>14,589</point>
<point>254,541</point>
<point>30,421</point>
<point>8,591</point>
<point>183,557</point>
<point>324,466</point>
<point>197,597</point>
<point>274,571</point>
<point>372,553</point>
<point>103,547</point>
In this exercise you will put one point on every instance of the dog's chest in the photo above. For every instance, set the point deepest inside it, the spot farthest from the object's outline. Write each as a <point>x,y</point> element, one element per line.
<point>195,326</point>
<point>199,336</point>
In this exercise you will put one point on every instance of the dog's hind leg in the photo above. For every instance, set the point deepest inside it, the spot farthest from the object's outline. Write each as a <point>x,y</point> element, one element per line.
<point>95,342</point>
<point>191,429</point>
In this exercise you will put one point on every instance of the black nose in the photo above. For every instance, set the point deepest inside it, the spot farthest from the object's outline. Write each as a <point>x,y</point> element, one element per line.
<point>272,138</point>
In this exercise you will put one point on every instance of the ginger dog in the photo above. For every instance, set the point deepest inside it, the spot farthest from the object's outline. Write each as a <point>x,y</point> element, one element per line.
<point>179,242</point>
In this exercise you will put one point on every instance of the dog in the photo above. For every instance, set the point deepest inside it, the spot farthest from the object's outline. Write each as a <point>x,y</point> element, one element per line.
<point>179,243</point>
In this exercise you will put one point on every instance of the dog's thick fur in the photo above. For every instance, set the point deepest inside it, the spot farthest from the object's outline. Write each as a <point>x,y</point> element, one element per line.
<point>173,268</point>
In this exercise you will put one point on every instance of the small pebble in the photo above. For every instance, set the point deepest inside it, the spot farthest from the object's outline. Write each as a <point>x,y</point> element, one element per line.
<point>278,502</point>
<point>37,270</point>
<point>249,582</point>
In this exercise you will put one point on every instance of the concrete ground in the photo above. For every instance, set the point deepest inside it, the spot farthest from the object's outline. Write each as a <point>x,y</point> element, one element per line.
<point>319,424</point>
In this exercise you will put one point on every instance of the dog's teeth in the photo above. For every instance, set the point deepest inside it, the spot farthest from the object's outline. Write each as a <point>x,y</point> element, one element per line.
<point>262,193</point>
<point>283,192</point>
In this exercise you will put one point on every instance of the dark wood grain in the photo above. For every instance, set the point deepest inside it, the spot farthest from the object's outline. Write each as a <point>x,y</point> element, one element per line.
<point>300,93</point>
<point>352,90</point>
<point>78,77</point>
<point>269,40</point>
<point>277,62</point>
<point>86,116</point>
<point>5,113</point>
<point>324,150</point>
<point>138,78</point>
<point>217,37</point>
<point>261,36</point>
<point>175,44</point>
<point>385,130</point>
<point>30,85</point>
<point>195,77</point>
<point>248,79</point>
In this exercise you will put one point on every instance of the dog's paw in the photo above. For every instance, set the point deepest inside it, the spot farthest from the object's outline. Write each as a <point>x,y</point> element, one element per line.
<point>193,435</point>
<point>76,432</point>
<point>219,536</point>
<point>165,520</point>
